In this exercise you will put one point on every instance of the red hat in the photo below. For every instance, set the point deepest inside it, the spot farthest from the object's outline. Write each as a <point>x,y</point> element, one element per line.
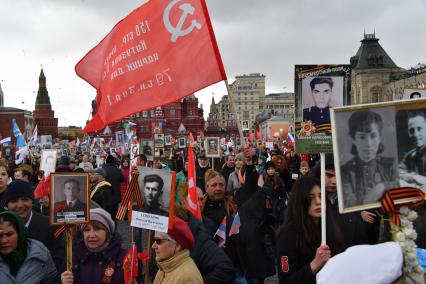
<point>181,233</point>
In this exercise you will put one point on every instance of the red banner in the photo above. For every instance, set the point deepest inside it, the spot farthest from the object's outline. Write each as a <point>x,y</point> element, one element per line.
<point>159,53</point>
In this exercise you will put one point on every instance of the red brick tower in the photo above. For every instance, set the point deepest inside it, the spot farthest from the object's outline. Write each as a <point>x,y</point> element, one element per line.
<point>44,116</point>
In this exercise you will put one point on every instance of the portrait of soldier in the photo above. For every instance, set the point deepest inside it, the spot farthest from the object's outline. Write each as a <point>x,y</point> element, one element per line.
<point>322,92</point>
<point>71,191</point>
<point>152,195</point>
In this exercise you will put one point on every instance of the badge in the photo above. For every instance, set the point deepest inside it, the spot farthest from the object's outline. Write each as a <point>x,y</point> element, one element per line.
<point>109,272</point>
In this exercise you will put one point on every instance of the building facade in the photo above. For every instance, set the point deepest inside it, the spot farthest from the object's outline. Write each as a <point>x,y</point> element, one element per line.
<point>24,119</point>
<point>44,116</point>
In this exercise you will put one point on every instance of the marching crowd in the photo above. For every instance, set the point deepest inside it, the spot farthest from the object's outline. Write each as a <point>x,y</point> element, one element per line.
<point>273,195</point>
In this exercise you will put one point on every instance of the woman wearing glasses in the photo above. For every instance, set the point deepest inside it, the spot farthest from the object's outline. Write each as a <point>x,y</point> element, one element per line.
<point>98,256</point>
<point>172,255</point>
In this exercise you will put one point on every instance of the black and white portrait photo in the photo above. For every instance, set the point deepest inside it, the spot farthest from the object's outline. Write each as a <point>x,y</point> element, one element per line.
<point>168,140</point>
<point>48,161</point>
<point>119,138</point>
<point>411,125</point>
<point>69,198</point>
<point>159,140</point>
<point>156,186</point>
<point>414,93</point>
<point>134,150</point>
<point>147,148</point>
<point>212,147</point>
<point>100,161</point>
<point>182,142</point>
<point>366,151</point>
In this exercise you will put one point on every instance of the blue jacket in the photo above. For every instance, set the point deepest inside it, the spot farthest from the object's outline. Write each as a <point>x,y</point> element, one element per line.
<point>38,267</point>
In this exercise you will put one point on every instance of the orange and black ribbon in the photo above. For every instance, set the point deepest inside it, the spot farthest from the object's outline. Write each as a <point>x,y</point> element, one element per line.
<point>416,198</point>
<point>133,191</point>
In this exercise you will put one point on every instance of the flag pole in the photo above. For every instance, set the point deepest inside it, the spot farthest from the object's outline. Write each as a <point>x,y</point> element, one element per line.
<point>233,110</point>
<point>323,203</point>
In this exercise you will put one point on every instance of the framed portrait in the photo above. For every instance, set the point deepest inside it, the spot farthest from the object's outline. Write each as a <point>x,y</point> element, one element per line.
<point>168,140</point>
<point>73,151</point>
<point>318,88</point>
<point>100,161</point>
<point>182,142</point>
<point>212,147</point>
<point>119,138</point>
<point>375,149</point>
<point>157,189</point>
<point>159,140</point>
<point>134,150</point>
<point>69,198</point>
<point>147,148</point>
<point>48,161</point>
<point>414,93</point>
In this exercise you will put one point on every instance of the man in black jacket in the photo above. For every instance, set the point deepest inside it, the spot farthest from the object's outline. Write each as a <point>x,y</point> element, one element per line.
<point>114,177</point>
<point>19,197</point>
<point>101,192</point>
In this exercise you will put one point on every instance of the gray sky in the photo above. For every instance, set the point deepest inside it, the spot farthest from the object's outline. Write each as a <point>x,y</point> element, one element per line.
<point>268,37</point>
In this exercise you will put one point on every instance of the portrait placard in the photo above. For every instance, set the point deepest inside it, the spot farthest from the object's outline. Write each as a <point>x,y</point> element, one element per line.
<point>212,146</point>
<point>147,148</point>
<point>157,188</point>
<point>182,142</point>
<point>414,93</point>
<point>168,140</point>
<point>377,147</point>
<point>159,140</point>
<point>119,138</point>
<point>69,198</point>
<point>48,161</point>
<point>134,151</point>
<point>318,88</point>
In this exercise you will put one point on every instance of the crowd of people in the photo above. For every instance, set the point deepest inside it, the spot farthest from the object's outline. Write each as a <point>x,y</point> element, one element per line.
<point>267,202</point>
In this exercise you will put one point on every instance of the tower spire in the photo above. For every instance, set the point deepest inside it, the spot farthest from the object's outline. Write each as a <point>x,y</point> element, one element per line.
<point>1,97</point>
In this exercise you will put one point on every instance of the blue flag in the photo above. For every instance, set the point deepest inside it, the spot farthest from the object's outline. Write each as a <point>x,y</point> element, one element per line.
<point>20,141</point>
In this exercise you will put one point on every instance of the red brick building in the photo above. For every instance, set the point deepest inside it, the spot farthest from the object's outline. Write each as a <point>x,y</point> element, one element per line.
<point>168,118</point>
<point>24,119</point>
<point>44,116</point>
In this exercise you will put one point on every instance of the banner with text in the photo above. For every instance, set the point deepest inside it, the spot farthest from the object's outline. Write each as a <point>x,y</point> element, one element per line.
<point>159,53</point>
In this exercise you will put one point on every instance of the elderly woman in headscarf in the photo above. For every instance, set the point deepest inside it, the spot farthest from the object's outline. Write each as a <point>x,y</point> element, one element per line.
<point>98,256</point>
<point>172,255</point>
<point>22,260</point>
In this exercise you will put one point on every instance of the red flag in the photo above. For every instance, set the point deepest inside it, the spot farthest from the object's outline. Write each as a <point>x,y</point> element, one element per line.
<point>43,187</point>
<point>258,137</point>
<point>192,199</point>
<point>130,265</point>
<point>161,52</point>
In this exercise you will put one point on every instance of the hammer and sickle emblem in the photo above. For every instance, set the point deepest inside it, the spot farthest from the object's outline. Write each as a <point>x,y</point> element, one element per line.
<point>177,31</point>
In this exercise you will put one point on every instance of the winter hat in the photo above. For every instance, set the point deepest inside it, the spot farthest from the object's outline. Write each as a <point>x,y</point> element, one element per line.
<point>210,173</point>
<point>18,189</point>
<point>110,159</point>
<point>304,164</point>
<point>240,157</point>
<point>383,265</point>
<point>269,164</point>
<point>100,171</point>
<point>100,215</point>
<point>64,160</point>
<point>181,233</point>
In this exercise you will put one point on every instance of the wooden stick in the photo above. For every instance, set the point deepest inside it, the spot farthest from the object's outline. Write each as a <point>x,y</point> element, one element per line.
<point>148,250</point>
<point>323,203</point>
<point>69,247</point>
<point>233,110</point>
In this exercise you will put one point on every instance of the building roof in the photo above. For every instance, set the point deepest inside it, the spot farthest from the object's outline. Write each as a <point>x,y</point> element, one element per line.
<point>371,55</point>
<point>11,109</point>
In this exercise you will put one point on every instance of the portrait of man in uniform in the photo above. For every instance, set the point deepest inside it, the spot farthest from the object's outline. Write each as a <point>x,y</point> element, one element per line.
<point>412,165</point>
<point>321,92</point>
<point>70,195</point>
<point>48,161</point>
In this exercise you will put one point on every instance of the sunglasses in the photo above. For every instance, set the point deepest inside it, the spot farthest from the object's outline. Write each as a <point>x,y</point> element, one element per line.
<point>159,241</point>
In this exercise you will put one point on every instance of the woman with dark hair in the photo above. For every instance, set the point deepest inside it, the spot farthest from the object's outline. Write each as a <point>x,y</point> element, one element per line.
<point>125,171</point>
<point>283,171</point>
<point>368,174</point>
<point>22,260</point>
<point>299,250</point>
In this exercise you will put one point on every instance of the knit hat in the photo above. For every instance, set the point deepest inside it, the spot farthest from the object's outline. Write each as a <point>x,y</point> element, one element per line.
<point>100,171</point>
<point>201,155</point>
<point>64,160</point>
<point>18,189</point>
<point>240,157</point>
<point>181,233</point>
<point>210,173</point>
<point>304,164</point>
<point>269,164</point>
<point>100,215</point>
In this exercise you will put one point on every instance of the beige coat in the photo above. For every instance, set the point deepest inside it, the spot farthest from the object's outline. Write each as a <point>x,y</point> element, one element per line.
<point>180,269</point>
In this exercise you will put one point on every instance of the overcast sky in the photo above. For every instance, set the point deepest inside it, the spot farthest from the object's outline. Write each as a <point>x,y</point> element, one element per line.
<point>268,37</point>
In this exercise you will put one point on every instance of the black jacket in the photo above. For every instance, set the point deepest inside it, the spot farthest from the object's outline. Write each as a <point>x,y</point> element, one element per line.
<point>41,230</point>
<point>103,196</point>
<point>293,265</point>
<point>114,177</point>
<point>214,265</point>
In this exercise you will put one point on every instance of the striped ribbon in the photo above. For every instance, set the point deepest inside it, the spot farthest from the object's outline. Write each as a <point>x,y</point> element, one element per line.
<point>60,230</point>
<point>416,196</point>
<point>133,191</point>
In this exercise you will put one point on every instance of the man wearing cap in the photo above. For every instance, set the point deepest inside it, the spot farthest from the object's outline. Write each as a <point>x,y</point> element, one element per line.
<point>101,191</point>
<point>201,168</point>
<point>19,198</point>
<point>172,255</point>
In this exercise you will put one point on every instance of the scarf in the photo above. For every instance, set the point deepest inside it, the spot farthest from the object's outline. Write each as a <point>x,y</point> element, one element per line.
<point>16,258</point>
